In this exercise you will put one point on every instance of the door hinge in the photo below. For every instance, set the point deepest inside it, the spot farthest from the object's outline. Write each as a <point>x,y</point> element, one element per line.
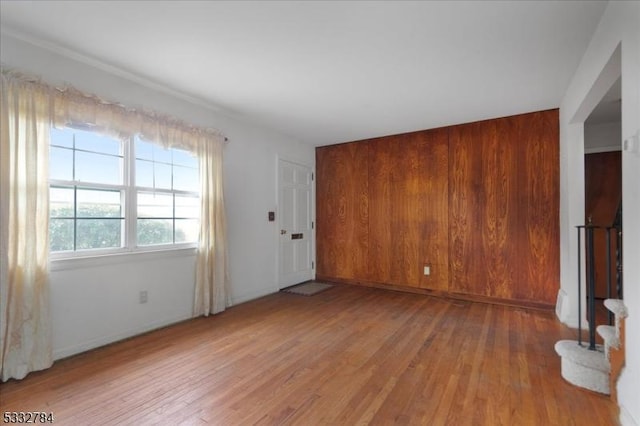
<point>312,225</point>
<point>311,175</point>
<point>313,265</point>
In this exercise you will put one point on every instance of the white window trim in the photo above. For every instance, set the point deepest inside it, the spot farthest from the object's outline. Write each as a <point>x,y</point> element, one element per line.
<point>104,259</point>
<point>80,258</point>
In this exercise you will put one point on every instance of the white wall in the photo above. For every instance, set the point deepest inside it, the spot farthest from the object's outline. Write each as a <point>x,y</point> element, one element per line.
<point>602,137</point>
<point>96,302</point>
<point>619,26</point>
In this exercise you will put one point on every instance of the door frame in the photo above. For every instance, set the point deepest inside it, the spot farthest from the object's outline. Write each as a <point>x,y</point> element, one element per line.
<point>276,228</point>
<point>572,193</point>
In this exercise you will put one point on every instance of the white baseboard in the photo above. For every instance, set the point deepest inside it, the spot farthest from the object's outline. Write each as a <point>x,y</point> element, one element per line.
<point>625,417</point>
<point>105,340</point>
<point>564,314</point>
<point>256,294</point>
<point>59,353</point>
<point>562,306</point>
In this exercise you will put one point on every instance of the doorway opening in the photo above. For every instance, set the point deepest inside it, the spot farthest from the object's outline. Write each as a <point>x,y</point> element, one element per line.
<point>603,198</point>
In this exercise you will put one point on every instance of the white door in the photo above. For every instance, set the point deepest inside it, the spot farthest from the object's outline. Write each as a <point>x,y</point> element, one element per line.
<point>295,220</point>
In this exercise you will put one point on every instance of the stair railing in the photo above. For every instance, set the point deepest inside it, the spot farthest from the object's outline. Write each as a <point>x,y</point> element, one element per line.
<point>590,258</point>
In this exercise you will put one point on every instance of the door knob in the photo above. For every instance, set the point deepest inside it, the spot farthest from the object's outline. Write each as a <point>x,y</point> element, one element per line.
<point>283,231</point>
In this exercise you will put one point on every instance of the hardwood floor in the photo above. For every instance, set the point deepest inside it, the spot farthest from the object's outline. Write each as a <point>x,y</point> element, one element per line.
<point>349,355</point>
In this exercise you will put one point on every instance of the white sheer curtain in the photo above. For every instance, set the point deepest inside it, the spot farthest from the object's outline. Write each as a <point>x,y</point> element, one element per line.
<point>25,326</point>
<point>212,279</point>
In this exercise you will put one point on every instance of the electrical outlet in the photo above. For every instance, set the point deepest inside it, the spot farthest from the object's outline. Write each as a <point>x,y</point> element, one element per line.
<point>427,270</point>
<point>143,297</point>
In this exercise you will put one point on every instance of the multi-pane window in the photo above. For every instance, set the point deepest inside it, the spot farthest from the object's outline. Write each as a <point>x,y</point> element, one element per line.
<point>87,195</point>
<point>112,194</point>
<point>167,195</point>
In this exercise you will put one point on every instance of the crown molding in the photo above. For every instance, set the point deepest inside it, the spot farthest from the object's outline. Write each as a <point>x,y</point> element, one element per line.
<point>599,149</point>
<point>114,70</point>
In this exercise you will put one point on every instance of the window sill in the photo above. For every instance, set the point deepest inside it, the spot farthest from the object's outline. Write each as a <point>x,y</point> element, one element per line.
<point>119,257</point>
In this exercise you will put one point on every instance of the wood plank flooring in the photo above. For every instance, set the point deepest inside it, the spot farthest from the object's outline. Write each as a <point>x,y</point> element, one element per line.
<point>349,355</point>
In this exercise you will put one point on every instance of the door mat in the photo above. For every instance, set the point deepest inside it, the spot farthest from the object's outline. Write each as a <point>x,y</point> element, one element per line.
<point>307,289</point>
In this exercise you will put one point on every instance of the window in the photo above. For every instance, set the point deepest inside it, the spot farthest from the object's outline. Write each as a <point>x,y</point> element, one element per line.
<point>112,195</point>
<point>167,199</point>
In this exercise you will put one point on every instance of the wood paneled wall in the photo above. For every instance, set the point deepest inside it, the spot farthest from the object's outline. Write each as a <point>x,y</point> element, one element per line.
<point>408,220</point>
<point>477,203</point>
<point>483,206</point>
<point>603,194</point>
<point>342,192</point>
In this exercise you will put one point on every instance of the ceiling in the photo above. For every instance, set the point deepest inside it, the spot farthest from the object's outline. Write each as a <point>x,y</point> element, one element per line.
<point>329,72</point>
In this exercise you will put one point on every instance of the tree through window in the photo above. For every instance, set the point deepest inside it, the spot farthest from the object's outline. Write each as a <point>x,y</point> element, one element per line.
<point>107,194</point>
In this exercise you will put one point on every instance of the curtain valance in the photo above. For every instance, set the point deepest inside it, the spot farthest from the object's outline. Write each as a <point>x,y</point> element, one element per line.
<point>70,106</point>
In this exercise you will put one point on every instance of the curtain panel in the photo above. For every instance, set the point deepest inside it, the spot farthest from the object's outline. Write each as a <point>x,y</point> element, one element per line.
<point>25,325</point>
<point>29,109</point>
<point>212,279</point>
